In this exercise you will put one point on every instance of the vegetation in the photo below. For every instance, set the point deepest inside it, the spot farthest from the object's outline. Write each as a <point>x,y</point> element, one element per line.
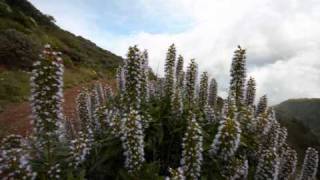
<point>24,30</point>
<point>14,84</point>
<point>152,128</point>
<point>306,111</point>
<point>300,117</point>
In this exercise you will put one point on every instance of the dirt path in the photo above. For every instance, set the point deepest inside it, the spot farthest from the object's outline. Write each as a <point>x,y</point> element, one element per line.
<point>16,118</point>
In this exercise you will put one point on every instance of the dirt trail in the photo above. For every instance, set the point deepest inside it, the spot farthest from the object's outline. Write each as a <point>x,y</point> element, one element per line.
<point>16,118</point>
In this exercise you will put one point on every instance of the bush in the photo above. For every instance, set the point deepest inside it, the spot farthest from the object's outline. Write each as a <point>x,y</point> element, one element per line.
<point>17,50</point>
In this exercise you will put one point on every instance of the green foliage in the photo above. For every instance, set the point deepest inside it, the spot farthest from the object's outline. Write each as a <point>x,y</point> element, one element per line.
<point>203,91</point>
<point>296,120</point>
<point>212,94</point>
<point>17,50</point>
<point>14,86</point>
<point>29,10</point>
<point>77,76</point>
<point>119,138</point>
<point>179,72</point>
<point>305,111</point>
<point>4,8</point>
<point>250,92</point>
<point>134,140</point>
<point>190,87</point>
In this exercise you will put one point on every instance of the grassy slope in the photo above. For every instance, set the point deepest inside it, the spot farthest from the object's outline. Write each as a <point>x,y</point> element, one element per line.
<point>84,60</point>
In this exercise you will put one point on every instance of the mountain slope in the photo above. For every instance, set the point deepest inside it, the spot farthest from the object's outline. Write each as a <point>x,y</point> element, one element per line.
<point>22,19</point>
<point>306,111</point>
<point>302,119</point>
<point>23,32</point>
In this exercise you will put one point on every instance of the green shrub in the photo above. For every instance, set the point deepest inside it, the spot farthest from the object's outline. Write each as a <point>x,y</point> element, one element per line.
<point>17,50</point>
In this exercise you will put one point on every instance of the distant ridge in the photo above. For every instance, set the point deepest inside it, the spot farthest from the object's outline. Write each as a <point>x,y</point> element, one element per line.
<point>302,119</point>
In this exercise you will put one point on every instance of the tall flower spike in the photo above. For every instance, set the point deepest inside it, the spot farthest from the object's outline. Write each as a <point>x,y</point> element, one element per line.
<point>95,99</point>
<point>133,141</point>
<point>310,164</point>
<point>121,82</point>
<point>169,72</point>
<point>230,106</point>
<point>213,93</point>
<point>264,123</point>
<point>209,114</point>
<point>268,165</point>
<point>271,139</point>
<point>248,121</point>
<point>83,110</point>
<point>47,98</point>
<point>250,92</point>
<point>113,121</point>
<point>262,105</point>
<point>95,103</point>
<point>133,78</point>
<point>203,92</point>
<point>152,89</point>
<point>179,72</point>
<point>192,149</point>
<point>288,164</point>
<point>191,78</point>
<point>227,140</point>
<point>144,88</point>
<point>100,92</point>
<point>238,75</point>
<point>82,144</point>
<point>79,149</point>
<point>177,101</point>
<point>14,159</point>
<point>160,83</point>
<point>177,104</point>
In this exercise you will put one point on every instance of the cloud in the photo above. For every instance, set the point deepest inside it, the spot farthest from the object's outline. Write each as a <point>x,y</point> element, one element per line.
<point>292,78</point>
<point>281,37</point>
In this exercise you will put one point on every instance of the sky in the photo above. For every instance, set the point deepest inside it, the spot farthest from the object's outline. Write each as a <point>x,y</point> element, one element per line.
<point>282,38</point>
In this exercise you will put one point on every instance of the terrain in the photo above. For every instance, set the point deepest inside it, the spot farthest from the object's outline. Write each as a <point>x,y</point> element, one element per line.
<point>24,30</point>
<point>302,119</point>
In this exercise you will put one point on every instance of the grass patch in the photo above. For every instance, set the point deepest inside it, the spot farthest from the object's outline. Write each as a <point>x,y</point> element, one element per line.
<point>15,87</point>
<point>75,76</point>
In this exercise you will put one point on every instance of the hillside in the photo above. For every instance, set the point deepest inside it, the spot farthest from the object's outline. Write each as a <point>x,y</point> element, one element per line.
<point>302,118</point>
<point>23,32</point>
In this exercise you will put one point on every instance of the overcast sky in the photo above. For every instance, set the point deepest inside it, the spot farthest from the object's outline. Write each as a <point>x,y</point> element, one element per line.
<point>282,37</point>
